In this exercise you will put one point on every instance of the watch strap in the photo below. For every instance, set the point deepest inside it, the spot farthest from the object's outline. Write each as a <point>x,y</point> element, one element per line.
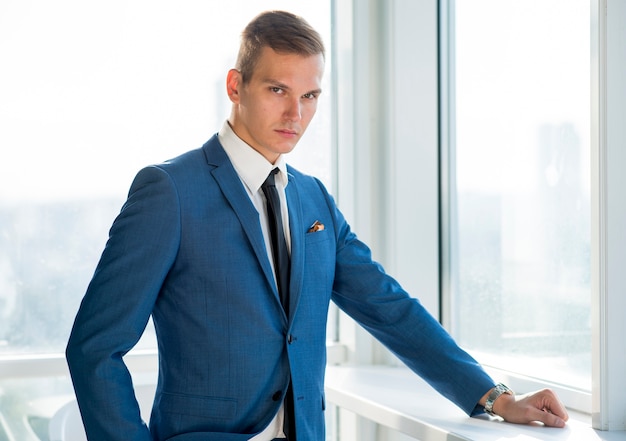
<point>495,393</point>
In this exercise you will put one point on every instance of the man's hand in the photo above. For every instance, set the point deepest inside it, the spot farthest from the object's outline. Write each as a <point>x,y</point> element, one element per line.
<point>543,406</point>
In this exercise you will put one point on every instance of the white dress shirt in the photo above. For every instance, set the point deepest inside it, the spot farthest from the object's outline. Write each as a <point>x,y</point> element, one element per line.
<point>253,169</point>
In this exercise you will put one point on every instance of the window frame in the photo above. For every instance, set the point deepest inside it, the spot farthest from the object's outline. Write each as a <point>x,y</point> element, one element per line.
<point>608,159</point>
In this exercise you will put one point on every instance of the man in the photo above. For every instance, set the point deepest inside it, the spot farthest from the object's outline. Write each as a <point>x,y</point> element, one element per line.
<point>236,256</point>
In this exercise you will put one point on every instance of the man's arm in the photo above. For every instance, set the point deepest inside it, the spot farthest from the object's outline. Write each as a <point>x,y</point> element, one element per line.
<point>115,310</point>
<point>379,304</point>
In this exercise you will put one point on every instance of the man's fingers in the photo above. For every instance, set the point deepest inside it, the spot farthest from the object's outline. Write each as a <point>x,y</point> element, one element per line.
<point>551,405</point>
<point>547,408</point>
<point>547,418</point>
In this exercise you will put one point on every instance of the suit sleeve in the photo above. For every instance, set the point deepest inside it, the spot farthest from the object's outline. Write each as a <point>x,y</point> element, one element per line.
<point>142,245</point>
<point>378,303</point>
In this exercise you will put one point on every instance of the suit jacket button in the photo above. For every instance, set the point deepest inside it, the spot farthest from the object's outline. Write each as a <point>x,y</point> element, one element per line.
<point>277,395</point>
<point>290,339</point>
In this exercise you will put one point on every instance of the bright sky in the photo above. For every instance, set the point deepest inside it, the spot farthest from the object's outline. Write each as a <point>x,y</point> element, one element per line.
<point>92,91</point>
<point>513,77</point>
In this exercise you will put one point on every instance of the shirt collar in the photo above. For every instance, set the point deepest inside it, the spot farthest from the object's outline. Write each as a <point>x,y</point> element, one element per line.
<point>251,166</point>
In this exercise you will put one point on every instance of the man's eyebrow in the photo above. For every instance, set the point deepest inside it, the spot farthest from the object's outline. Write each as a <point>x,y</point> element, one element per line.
<point>276,83</point>
<point>281,85</point>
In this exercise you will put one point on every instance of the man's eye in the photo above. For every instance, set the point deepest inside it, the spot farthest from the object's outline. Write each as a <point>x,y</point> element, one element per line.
<point>276,89</point>
<point>310,96</point>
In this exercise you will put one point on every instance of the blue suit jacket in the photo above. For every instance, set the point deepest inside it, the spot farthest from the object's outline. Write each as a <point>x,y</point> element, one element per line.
<point>187,248</point>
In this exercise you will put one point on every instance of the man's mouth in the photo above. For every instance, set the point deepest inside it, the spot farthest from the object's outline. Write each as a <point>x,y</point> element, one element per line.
<point>287,132</point>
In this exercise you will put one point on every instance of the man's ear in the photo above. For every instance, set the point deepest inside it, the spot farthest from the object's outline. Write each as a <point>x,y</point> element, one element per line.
<point>233,82</point>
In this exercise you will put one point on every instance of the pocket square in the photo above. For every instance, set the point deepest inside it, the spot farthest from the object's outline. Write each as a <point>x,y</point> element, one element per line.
<point>317,226</point>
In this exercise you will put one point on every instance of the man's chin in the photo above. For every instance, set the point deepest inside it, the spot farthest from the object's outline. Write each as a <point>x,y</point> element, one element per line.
<point>285,149</point>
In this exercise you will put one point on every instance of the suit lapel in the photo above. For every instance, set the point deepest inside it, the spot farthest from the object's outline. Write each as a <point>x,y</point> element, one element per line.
<point>297,243</point>
<point>234,191</point>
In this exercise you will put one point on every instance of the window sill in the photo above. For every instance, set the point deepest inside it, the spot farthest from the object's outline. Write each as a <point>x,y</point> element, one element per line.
<point>399,399</point>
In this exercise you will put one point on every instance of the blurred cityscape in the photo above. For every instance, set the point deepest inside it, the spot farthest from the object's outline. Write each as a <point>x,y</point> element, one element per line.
<point>48,253</point>
<point>521,263</point>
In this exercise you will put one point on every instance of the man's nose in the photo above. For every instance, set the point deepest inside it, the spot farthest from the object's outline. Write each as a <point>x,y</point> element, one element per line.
<point>293,112</point>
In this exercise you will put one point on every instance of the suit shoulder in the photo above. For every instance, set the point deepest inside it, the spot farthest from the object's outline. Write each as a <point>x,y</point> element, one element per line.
<point>184,160</point>
<point>305,180</point>
<point>211,153</point>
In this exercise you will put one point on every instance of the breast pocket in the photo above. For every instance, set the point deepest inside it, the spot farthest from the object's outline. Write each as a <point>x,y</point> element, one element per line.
<point>319,247</point>
<point>317,236</point>
<point>319,267</point>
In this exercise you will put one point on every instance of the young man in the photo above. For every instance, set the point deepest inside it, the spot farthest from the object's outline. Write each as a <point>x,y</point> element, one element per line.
<point>236,256</point>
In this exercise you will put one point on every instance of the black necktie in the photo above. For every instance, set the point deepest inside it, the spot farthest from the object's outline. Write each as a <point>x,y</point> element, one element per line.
<point>281,267</point>
<point>279,246</point>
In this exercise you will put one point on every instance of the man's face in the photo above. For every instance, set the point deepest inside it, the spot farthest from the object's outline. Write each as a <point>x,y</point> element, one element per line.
<point>272,111</point>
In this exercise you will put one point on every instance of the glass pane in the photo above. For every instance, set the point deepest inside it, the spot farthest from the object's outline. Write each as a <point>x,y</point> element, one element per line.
<point>90,92</point>
<point>520,222</point>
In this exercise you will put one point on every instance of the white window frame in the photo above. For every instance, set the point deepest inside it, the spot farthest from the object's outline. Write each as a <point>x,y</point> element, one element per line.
<point>387,157</point>
<point>388,145</point>
<point>608,158</point>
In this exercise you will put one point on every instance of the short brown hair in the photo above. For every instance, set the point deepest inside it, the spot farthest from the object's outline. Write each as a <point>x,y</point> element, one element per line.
<point>282,31</point>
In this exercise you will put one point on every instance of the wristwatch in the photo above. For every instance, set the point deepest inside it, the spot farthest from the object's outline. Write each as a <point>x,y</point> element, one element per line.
<point>494,395</point>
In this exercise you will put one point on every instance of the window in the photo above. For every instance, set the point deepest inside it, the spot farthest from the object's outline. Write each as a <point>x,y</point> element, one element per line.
<point>519,205</point>
<point>95,93</point>
<point>90,93</point>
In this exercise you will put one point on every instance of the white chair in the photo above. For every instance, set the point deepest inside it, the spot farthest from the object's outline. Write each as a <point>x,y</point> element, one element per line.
<point>67,425</point>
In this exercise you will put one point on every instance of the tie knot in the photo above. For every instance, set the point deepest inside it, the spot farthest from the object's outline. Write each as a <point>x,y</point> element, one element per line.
<point>270,178</point>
